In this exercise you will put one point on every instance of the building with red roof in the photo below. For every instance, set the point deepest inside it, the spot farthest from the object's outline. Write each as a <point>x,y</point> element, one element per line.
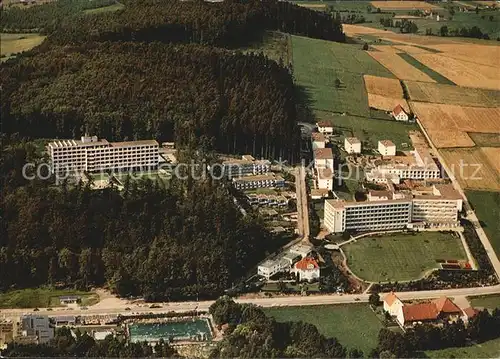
<point>400,114</point>
<point>307,269</point>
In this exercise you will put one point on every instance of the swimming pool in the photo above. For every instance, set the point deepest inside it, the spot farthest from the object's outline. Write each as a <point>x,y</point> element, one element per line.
<point>191,329</point>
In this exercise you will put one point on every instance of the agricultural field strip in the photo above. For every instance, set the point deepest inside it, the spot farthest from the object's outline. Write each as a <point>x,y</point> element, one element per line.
<point>404,5</point>
<point>383,86</point>
<point>462,74</point>
<point>399,67</point>
<point>386,103</point>
<point>472,168</point>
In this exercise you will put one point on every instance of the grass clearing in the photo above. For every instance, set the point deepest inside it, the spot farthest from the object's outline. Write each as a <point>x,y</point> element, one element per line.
<point>489,349</point>
<point>355,325</point>
<point>108,8</point>
<point>14,43</point>
<point>440,79</point>
<point>370,131</point>
<point>401,256</point>
<point>487,207</point>
<point>275,45</point>
<point>42,298</point>
<point>485,139</point>
<point>318,64</point>
<point>486,301</point>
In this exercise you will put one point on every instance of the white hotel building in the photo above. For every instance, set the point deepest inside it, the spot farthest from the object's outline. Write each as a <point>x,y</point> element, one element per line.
<point>386,210</point>
<point>245,166</point>
<point>93,155</point>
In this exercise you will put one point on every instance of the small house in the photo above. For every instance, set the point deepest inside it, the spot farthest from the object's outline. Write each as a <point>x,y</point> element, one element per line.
<point>400,114</point>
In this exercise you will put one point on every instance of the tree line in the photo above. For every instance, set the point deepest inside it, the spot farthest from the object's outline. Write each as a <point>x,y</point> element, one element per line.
<point>474,32</point>
<point>191,94</point>
<point>64,344</point>
<point>186,241</point>
<point>45,17</point>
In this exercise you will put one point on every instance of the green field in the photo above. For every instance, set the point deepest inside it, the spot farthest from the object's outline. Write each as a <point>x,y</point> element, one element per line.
<point>440,79</point>
<point>162,178</point>
<point>490,349</point>
<point>486,301</point>
<point>487,207</point>
<point>401,257</point>
<point>355,325</point>
<point>109,8</point>
<point>486,139</point>
<point>370,130</point>
<point>317,64</point>
<point>15,43</point>
<point>41,298</point>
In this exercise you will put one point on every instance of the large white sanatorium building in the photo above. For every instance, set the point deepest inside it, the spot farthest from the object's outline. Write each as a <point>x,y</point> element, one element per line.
<point>435,206</point>
<point>93,155</point>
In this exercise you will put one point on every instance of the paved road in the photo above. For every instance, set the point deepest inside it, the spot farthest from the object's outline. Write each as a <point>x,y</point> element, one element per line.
<point>302,207</point>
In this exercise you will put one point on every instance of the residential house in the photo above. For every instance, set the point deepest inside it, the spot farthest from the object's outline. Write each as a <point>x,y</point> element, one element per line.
<point>352,145</point>
<point>400,114</point>
<point>325,127</point>
<point>469,313</point>
<point>325,178</point>
<point>387,148</point>
<point>392,304</point>
<point>318,140</point>
<point>436,311</point>
<point>307,269</point>
<point>323,157</point>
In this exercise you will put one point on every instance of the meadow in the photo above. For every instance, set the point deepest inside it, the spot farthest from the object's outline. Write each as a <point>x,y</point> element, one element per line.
<point>487,208</point>
<point>401,257</point>
<point>485,301</point>
<point>42,298</point>
<point>489,349</point>
<point>14,43</point>
<point>318,64</point>
<point>355,325</point>
<point>108,8</point>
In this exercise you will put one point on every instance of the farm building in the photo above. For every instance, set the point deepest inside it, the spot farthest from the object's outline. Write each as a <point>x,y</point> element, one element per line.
<point>352,145</point>
<point>387,148</point>
<point>325,127</point>
<point>400,114</point>
<point>318,140</point>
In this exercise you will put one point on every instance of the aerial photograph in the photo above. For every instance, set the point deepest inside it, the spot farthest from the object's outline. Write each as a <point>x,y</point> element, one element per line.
<point>250,179</point>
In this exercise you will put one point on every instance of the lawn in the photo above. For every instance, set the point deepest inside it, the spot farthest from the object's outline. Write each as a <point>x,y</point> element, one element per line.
<point>370,130</point>
<point>436,76</point>
<point>401,256</point>
<point>275,45</point>
<point>486,301</point>
<point>487,207</point>
<point>490,349</point>
<point>41,298</point>
<point>15,43</point>
<point>161,178</point>
<point>355,325</point>
<point>317,64</point>
<point>100,10</point>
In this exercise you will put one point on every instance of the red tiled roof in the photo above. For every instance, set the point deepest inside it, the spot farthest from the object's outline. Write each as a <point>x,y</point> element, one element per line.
<point>445,305</point>
<point>397,110</point>
<point>307,263</point>
<point>470,312</point>
<point>318,136</point>
<point>390,298</point>
<point>418,312</point>
<point>324,124</point>
<point>387,143</point>
<point>323,153</point>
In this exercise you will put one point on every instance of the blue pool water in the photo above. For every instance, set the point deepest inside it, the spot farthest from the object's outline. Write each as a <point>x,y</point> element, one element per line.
<point>194,329</point>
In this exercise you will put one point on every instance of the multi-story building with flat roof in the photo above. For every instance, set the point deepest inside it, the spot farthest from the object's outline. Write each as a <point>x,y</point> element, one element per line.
<point>318,140</point>
<point>93,155</point>
<point>437,206</point>
<point>323,157</point>
<point>37,327</point>
<point>352,145</point>
<point>246,166</point>
<point>258,181</point>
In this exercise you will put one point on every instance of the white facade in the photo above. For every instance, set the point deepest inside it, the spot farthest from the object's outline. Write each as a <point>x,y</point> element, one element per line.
<point>352,145</point>
<point>258,181</point>
<point>400,114</point>
<point>245,166</point>
<point>271,267</point>
<point>37,325</point>
<point>92,155</point>
<point>325,127</point>
<point>386,148</point>
<point>325,178</point>
<point>392,304</point>
<point>318,140</point>
<point>323,157</point>
<point>306,269</point>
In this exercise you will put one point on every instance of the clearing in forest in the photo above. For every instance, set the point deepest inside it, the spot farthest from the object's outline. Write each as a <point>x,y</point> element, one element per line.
<point>15,43</point>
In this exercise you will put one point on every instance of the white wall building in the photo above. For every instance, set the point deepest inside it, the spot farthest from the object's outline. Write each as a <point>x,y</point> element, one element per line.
<point>325,127</point>
<point>93,155</point>
<point>323,157</point>
<point>269,268</point>
<point>318,140</point>
<point>386,148</point>
<point>307,269</point>
<point>352,145</point>
<point>400,114</point>
<point>37,325</point>
<point>258,181</point>
<point>245,166</point>
<point>392,304</point>
<point>386,210</point>
<point>325,178</point>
